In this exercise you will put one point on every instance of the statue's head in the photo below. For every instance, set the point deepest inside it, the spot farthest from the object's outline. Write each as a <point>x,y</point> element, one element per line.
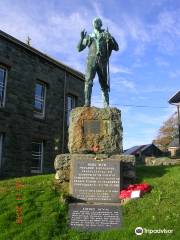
<point>97,23</point>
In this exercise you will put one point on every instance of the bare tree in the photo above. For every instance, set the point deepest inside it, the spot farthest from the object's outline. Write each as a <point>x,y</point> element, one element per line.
<point>167,133</point>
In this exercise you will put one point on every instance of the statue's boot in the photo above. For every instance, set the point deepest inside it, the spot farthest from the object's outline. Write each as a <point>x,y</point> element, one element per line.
<point>105,98</point>
<point>87,94</point>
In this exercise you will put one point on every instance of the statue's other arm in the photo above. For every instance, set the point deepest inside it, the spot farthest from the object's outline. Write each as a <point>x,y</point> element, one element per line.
<point>83,41</point>
<point>115,44</point>
<point>109,38</point>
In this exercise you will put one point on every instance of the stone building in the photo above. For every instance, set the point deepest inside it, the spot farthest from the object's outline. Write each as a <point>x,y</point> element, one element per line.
<point>37,94</point>
<point>173,147</point>
<point>143,151</point>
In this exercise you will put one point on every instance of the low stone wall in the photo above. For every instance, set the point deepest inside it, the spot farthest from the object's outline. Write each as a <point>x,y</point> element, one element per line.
<point>62,166</point>
<point>153,161</point>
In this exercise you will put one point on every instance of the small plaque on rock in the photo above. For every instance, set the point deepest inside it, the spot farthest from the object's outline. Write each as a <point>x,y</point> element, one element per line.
<point>91,127</point>
<point>86,217</point>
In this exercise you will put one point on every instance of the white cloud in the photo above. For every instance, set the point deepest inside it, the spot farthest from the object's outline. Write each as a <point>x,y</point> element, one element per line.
<point>125,110</point>
<point>56,32</point>
<point>140,49</point>
<point>135,28</point>
<point>175,74</point>
<point>119,69</point>
<point>127,84</point>
<point>138,63</point>
<point>144,127</point>
<point>166,31</point>
<point>52,32</point>
<point>155,89</point>
<point>149,119</point>
<point>161,62</point>
<point>97,99</point>
<point>119,84</point>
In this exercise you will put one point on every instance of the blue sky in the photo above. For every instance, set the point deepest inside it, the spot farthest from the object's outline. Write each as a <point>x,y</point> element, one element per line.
<point>145,72</point>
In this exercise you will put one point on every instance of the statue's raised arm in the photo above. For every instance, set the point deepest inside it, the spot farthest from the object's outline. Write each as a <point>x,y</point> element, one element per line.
<point>83,41</point>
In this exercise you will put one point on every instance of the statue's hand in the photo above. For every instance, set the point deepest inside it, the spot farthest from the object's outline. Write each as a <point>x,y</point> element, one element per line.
<point>107,36</point>
<point>83,34</point>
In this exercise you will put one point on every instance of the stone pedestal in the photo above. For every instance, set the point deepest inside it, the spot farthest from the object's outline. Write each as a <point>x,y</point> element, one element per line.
<point>95,168</point>
<point>95,127</point>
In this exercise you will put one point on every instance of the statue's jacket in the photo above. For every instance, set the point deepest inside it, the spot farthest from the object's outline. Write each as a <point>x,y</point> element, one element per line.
<point>100,48</point>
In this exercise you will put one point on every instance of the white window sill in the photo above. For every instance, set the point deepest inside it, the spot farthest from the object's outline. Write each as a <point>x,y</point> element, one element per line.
<point>39,116</point>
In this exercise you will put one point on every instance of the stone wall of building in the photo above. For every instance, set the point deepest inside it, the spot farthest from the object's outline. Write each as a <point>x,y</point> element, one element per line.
<point>17,120</point>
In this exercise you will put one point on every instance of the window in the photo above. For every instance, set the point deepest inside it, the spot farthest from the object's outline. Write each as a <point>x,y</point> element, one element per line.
<point>71,103</point>
<point>37,156</point>
<point>40,95</point>
<point>1,150</point>
<point>3,73</point>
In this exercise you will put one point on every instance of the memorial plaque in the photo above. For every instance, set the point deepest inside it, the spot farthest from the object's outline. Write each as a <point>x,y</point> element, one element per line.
<point>92,127</point>
<point>94,217</point>
<point>93,180</point>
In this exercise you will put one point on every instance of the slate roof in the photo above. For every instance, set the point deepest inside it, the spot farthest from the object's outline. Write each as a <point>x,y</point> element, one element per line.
<point>130,151</point>
<point>43,55</point>
<point>134,150</point>
<point>175,98</point>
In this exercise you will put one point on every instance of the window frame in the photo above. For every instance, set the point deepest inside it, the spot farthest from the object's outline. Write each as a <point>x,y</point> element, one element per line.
<point>74,97</point>
<point>1,149</point>
<point>40,170</point>
<point>2,104</point>
<point>38,114</point>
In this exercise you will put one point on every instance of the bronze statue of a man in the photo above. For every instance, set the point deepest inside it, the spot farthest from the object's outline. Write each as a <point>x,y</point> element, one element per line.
<point>101,44</point>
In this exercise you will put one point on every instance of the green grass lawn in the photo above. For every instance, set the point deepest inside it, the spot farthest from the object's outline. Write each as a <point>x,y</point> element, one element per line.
<point>44,215</point>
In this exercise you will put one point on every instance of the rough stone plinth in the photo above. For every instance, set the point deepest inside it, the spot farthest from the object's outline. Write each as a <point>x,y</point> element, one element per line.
<point>95,127</point>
